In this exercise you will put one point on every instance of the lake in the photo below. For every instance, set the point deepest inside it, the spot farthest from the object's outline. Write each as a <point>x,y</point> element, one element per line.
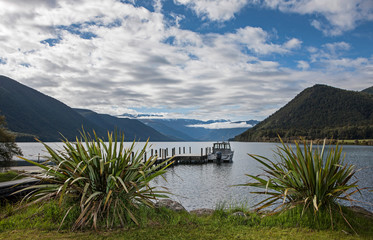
<point>206,186</point>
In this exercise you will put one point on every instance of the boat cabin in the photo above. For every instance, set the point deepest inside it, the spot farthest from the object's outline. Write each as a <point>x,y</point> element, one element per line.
<point>221,147</point>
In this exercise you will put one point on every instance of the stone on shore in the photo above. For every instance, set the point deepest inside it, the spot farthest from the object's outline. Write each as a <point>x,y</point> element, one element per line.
<point>170,204</point>
<point>241,214</point>
<point>203,212</point>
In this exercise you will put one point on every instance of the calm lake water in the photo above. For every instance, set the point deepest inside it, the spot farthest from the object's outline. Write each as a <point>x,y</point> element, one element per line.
<point>206,186</point>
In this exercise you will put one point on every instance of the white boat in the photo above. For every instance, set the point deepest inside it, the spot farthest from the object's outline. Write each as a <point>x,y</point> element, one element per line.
<point>221,152</point>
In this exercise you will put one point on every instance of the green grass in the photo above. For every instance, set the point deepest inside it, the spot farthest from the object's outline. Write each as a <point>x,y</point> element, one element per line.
<point>9,176</point>
<point>206,232</point>
<point>42,222</point>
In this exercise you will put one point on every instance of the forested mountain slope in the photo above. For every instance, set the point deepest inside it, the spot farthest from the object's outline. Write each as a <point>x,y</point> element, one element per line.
<point>318,112</point>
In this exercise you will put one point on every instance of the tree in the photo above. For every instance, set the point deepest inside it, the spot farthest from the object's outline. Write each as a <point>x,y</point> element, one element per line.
<point>8,147</point>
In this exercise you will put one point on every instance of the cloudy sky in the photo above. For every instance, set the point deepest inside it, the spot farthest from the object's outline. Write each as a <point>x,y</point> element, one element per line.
<point>204,59</point>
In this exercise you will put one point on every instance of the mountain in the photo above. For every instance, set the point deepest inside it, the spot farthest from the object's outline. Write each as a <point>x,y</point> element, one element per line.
<point>368,90</point>
<point>196,130</point>
<point>166,127</point>
<point>30,114</point>
<point>33,114</point>
<point>318,112</point>
<point>133,129</point>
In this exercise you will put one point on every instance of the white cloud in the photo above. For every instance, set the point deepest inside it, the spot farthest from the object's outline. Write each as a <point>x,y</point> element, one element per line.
<point>335,47</point>
<point>137,59</point>
<point>222,125</point>
<point>329,51</point>
<point>215,10</point>
<point>293,43</point>
<point>346,63</point>
<point>339,15</point>
<point>332,17</point>
<point>303,65</point>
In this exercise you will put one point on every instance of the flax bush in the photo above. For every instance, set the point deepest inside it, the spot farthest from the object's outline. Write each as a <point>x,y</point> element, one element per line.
<point>305,176</point>
<point>104,180</point>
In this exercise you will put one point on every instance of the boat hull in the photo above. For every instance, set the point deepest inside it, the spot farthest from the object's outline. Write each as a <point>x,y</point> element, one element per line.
<point>223,157</point>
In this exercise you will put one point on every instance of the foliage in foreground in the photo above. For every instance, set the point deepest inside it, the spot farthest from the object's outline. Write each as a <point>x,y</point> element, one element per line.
<point>315,180</point>
<point>42,221</point>
<point>106,182</point>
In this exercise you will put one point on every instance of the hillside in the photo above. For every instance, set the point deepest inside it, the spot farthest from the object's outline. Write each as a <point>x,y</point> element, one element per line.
<point>133,129</point>
<point>31,114</point>
<point>164,126</point>
<point>368,90</point>
<point>182,129</point>
<point>318,112</point>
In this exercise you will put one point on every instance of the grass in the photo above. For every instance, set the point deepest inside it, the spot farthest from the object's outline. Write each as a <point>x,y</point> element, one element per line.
<point>42,221</point>
<point>185,232</point>
<point>10,176</point>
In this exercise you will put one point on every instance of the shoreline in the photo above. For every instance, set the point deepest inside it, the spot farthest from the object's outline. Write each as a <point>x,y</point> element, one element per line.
<point>357,142</point>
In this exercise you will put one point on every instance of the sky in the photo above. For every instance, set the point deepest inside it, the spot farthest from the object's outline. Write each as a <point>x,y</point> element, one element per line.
<point>201,59</point>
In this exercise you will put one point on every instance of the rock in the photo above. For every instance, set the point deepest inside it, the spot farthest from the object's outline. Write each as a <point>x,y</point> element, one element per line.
<point>362,211</point>
<point>241,214</point>
<point>203,211</point>
<point>170,204</point>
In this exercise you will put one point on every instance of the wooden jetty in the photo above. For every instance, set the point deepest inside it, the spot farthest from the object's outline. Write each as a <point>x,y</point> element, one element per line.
<point>8,188</point>
<point>180,157</point>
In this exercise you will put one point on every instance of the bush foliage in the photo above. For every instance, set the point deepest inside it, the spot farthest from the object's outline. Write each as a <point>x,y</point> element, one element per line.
<point>311,178</point>
<point>8,148</point>
<point>106,181</point>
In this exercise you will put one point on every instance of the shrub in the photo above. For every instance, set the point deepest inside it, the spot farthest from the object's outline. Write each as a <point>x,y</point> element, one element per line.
<point>8,147</point>
<point>106,181</point>
<point>305,177</point>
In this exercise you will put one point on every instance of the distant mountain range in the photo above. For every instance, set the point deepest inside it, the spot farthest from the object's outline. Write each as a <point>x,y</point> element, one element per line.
<point>319,112</point>
<point>197,130</point>
<point>31,114</point>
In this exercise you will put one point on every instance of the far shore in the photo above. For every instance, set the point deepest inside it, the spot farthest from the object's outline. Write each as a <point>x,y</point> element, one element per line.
<point>361,142</point>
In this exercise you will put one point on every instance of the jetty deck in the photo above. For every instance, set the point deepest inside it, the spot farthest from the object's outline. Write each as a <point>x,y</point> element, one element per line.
<point>181,157</point>
<point>178,156</point>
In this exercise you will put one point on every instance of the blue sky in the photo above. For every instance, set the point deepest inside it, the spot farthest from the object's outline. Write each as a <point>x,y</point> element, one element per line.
<point>203,59</point>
